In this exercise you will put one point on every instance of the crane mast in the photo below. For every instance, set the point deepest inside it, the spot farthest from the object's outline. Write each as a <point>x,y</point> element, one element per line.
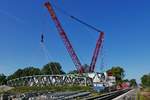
<point>65,39</point>
<point>96,51</point>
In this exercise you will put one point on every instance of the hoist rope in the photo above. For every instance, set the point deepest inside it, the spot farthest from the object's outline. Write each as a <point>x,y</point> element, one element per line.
<point>48,58</point>
<point>75,18</point>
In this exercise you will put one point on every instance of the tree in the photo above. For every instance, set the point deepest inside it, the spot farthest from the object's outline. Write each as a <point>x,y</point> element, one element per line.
<point>125,80</point>
<point>28,71</point>
<point>133,82</point>
<point>85,67</point>
<point>52,68</point>
<point>48,69</point>
<point>2,79</point>
<point>145,79</point>
<point>73,72</point>
<point>118,72</point>
<point>16,74</point>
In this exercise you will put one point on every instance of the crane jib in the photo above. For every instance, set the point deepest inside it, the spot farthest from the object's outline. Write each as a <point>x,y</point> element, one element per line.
<point>68,45</point>
<point>65,38</point>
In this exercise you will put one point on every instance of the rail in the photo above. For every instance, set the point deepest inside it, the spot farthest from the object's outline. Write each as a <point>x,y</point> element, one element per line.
<point>108,96</point>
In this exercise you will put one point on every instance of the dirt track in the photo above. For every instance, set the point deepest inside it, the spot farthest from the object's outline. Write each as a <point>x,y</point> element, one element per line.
<point>5,88</point>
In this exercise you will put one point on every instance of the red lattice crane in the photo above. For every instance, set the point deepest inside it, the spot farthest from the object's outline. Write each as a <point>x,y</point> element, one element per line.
<point>96,51</point>
<point>65,39</point>
<point>99,43</point>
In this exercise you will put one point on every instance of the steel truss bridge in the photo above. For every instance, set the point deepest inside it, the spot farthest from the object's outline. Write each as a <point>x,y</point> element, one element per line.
<point>51,80</point>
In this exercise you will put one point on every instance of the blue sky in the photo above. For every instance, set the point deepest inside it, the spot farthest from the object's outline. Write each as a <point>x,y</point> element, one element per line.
<point>126,24</point>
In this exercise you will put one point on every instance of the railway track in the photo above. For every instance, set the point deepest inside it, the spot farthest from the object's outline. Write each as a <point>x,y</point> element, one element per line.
<point>107,96</point>
<point>76,95</point>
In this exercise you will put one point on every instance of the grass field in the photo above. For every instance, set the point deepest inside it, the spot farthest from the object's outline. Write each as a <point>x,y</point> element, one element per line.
<point>24,89</point>
<point>144,94</point>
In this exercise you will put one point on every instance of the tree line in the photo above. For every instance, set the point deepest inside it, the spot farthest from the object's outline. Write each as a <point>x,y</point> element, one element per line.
<point>48,69</point>
<point>55,68</point>
<point>145,79</point>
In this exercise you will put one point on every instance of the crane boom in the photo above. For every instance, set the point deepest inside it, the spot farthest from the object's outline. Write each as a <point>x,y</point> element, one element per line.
<point>96,51</point>
<point>65,39</point>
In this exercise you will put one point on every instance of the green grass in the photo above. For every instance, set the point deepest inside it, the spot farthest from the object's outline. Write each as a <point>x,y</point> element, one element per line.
<point>147,89</point>
<point>24,89</point>
<point>142,97</point>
